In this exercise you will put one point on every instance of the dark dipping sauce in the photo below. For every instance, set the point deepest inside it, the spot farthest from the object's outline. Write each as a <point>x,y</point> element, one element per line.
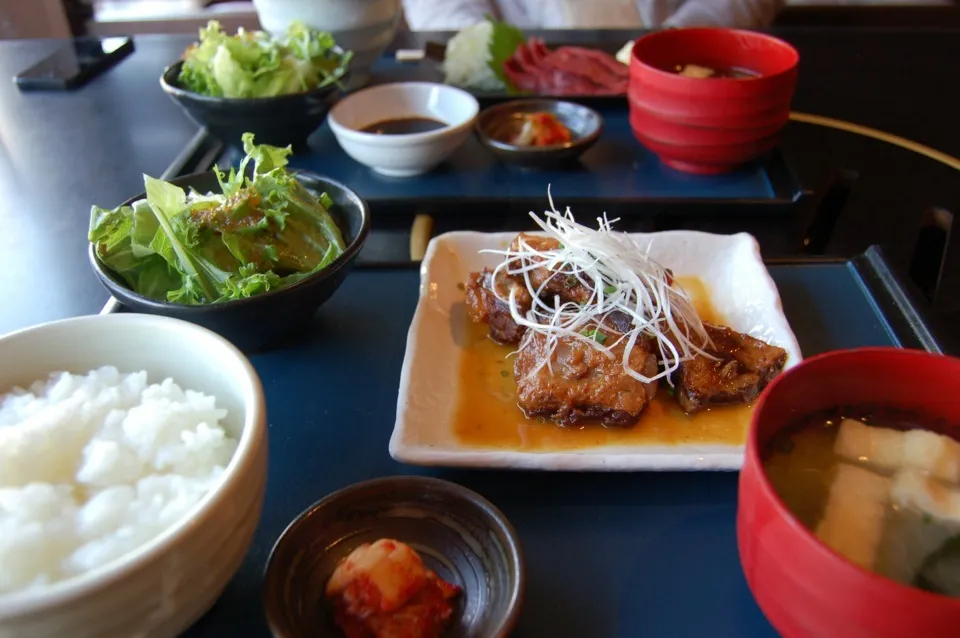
<point>403,126</point>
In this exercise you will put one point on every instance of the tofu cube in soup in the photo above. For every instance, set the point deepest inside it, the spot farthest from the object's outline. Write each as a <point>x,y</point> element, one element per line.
<point>889,450</point>
<point>915,489</point>
<point>852,523</point>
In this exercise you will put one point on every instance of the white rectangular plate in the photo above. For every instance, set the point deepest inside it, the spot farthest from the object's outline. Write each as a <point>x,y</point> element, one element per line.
<point>740,289</point>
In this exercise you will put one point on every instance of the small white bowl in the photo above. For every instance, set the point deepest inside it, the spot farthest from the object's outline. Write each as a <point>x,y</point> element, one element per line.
<point>366,27</point>
<point>409,154</point>
<point>166,585</point>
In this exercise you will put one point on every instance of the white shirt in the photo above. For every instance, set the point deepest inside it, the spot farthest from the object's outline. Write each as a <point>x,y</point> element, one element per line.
<point>443,15</point>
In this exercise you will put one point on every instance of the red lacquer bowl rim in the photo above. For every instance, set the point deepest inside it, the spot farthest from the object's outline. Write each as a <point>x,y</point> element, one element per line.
<point>667,76</point>
<point>911,595</point>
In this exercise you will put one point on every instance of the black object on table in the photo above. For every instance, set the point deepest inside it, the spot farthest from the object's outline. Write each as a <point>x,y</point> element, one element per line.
<point>74,64</point>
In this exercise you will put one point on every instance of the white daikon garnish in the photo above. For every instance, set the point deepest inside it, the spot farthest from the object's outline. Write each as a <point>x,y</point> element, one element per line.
<point>621,278</point>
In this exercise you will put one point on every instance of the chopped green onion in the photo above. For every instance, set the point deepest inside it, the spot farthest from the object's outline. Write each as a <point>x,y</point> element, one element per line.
<point>594,334</point>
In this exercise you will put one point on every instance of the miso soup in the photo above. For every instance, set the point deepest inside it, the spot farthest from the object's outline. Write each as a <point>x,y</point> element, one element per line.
<point>881,488</point>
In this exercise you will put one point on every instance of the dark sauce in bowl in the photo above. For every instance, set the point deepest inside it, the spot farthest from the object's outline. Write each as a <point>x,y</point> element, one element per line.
<point>404,126</point>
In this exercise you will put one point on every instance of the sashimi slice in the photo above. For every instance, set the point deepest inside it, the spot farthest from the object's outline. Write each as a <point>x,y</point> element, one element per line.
<point>569,61</point>
<point>538,49</point>
<point>524,58</point>
<point>557,82</point>
<point>520,78</point>
<point>608,62</point>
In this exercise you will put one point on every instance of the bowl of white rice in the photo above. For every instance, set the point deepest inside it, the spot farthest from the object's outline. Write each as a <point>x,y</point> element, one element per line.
<point>133,462</point>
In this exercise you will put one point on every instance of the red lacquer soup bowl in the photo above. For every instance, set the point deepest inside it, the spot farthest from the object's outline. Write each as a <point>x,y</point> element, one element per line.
<point>710,125</point>
<point>802,586</point>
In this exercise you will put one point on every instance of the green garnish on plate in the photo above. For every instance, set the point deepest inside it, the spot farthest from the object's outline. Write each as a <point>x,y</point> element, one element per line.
<point>596,335</point>
<point>262,232</point>
<point>253,64</point>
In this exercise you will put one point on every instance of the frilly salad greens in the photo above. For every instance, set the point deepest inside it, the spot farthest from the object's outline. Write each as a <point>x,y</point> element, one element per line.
<point>253,64</point>
<point>261,233</point>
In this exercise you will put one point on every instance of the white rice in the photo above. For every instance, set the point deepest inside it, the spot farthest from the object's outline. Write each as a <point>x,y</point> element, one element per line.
<point>467,60</point>
<point>93,466</point>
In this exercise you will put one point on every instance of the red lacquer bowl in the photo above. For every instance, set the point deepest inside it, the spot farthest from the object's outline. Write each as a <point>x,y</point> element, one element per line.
<point>803,587</point>
<point>713,125</point>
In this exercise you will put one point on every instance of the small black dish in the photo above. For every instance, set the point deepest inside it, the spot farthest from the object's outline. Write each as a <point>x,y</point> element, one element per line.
<point>458,534</point>
<point>497,124</point>
<point>278,121</point>
<point>257,322</point>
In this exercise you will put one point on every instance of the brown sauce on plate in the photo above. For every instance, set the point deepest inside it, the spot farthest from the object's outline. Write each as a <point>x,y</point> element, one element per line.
<point>404,126</point>
<point>487,414</point>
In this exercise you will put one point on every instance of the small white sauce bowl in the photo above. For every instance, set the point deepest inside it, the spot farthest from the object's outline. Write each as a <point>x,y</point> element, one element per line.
<point>408,154</point>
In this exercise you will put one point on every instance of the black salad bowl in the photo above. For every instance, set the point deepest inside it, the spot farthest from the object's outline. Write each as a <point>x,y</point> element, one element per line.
<point>257,322</point>
<point>459,535</point>
<point>278,121</point>
<point>496,125</point>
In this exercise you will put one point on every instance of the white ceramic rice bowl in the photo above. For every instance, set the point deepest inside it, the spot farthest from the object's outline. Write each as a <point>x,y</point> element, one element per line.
<point>166,585</point>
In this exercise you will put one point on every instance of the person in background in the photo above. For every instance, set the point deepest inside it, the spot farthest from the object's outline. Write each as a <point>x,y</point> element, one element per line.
<point>451,15</point>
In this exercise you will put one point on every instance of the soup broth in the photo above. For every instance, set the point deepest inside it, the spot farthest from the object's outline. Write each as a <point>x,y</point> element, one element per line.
<point>403,126</point>
<point>713,73</point>
<point>881,488</point>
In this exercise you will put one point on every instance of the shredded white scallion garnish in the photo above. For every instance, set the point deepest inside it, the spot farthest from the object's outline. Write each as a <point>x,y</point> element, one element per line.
<point>618,277</point>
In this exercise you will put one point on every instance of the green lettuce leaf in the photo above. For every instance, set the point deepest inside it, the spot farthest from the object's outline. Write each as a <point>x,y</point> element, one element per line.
<point>122,237</point>
<point>263,232</point>
<point>504,41</point>
<point>253,64</point>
